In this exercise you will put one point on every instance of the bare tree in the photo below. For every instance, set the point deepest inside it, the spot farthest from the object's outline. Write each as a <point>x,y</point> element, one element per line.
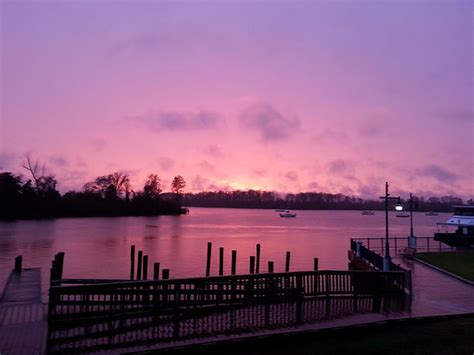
<point>178,184</point>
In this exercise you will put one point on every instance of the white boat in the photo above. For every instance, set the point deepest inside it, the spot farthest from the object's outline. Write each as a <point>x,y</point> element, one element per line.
<point>463,236</point>
<point>402,215</point>
<point>431,213</point>
<point>280,210</point>
<point>287,214</point>
<point>367,213</point>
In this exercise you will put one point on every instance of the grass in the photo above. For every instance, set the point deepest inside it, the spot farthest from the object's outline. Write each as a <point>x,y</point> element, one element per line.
<point>460,263</point>
<point>439,336</point>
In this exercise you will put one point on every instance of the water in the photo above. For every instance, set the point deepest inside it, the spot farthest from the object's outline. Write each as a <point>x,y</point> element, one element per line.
<point>100,247</point>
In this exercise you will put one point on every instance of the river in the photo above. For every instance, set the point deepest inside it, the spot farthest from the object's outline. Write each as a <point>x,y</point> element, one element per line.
<point>100,247</point>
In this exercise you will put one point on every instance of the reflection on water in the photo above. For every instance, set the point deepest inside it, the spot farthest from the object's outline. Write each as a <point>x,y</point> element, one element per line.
<point>99,247</point>
<point>139,328</point>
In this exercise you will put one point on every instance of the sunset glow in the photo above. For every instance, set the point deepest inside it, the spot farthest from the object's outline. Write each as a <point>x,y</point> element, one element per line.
<point>340,98</point>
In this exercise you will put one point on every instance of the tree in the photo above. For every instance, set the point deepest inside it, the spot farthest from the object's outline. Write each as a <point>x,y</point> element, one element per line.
<point>178,185</point>
<point>152,188</point>
<point>109,186</point>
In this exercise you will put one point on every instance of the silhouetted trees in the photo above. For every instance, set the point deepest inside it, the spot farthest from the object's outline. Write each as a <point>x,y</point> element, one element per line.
<point>178,184</point>
<point>108,195</point>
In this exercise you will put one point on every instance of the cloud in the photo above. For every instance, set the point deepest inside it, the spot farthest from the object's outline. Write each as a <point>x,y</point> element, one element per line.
<point>214,151</point>
<point>59,161</point>
<point>6,160</point>
<point>460,116</point>
<point>340,167</point>
<point>179,121</point>
<point>376,123</point>
<point>330,135</point>
<point>438,173</point>
<point>165,163</point>
<point>291,175</point>
<point>313,185</point>
<point>268,122</point>
<point>206,166</point>
<point>98,144</point>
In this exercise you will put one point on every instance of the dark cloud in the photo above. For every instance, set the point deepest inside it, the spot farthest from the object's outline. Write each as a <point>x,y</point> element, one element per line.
<point>199,183</point>
<point>339,167</point>
<point>179,121</point>
<point>459,116</point>
<point>98,144</point>
<point>214,151</point>
<point>330,135</point>
<point>437,172</point>
<point>59,161</point>
<point>313,185</point>
<point>6,160</point>
<point>165,163</point>
<point>268,122</point>
<point>206,166</point>
<point>291,175</point>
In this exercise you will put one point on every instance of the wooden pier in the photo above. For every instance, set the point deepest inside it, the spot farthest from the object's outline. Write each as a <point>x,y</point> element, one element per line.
<point>23,322</point>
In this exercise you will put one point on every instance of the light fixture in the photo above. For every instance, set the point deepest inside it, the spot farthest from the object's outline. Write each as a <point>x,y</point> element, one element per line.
<point>399,206</point>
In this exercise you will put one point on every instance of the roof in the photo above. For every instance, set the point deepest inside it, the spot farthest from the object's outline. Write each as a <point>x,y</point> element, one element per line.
<point>460,221</point>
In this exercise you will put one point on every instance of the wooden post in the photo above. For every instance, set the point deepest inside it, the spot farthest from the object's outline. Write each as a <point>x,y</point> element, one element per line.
<point>132,262</point>
<point>221,261</point>
<point>234,262</point>
<point>208,263</point>
<point>60,264</point>
<point>166,274</point>
<point>270,267</point>
<point>156,271</point>
<point>257,260</point>
<point>287,264</point>
<point>145,267</point>
<point>252,264</point>
<point>316,264</point>
<point>139,265</point>
<point>18,262</point>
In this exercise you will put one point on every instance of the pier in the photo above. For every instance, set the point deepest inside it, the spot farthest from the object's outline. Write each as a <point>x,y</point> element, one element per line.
<point>23,321</point>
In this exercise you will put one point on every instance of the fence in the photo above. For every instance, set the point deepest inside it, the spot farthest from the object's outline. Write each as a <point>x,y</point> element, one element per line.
<point>397,245</point>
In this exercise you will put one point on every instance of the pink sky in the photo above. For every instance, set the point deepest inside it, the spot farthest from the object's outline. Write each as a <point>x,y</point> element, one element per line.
<point>284,96</point>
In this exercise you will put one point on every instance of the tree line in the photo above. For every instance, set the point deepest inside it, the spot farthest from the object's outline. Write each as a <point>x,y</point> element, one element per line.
<point>310,201</point>
<point>108,195</point>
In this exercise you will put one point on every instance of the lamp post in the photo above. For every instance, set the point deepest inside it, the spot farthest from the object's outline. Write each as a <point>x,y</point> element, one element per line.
<point>411,237</point>
<point>398,207</point>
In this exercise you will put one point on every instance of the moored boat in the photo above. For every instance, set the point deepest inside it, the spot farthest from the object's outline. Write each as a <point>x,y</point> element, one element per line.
<point>288,214</point>
<point>402,215</point>
<point>431,213</point>
<point>463,236</point>
<point>367,213</point>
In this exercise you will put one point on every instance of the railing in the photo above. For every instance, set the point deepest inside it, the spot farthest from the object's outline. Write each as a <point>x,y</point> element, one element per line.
<point>82,301</point>
<point>155,329</point>
<point>398,244</point>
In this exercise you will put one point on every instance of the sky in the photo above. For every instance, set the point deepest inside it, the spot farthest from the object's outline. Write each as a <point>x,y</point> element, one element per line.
<point>288,96</point>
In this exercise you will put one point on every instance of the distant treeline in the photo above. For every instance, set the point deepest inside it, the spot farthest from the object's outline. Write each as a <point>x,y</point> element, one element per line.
<point>108,195</point>
<point>309,201</point>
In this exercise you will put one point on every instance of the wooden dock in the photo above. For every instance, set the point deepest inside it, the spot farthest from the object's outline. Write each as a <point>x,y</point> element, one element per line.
<point>23,321</point>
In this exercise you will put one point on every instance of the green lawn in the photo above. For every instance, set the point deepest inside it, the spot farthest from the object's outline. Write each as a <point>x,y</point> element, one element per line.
<point>460,263</point>
<point>442,336</point>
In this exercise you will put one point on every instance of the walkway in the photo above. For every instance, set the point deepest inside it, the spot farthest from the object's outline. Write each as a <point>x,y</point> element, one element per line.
<point>23,324</point>
<point>435,293</point>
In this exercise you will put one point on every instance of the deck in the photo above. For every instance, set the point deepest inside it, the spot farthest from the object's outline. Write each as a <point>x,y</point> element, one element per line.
<point>23,322</point>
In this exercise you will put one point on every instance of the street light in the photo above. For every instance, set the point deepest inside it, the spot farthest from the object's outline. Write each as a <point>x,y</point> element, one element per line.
<point>398,207</point>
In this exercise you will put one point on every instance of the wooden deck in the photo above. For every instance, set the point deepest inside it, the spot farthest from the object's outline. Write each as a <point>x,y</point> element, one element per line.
<point>23,321</point>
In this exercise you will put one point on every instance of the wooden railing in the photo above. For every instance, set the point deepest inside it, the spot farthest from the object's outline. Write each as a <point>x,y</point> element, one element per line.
<point>78,301</point>
<point>397,245</point>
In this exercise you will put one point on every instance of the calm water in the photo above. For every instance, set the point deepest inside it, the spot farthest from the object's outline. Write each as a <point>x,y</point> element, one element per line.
<point>100,247</point>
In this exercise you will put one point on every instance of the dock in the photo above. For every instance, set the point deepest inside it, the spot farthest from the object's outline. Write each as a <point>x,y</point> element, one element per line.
<point>23,318</point>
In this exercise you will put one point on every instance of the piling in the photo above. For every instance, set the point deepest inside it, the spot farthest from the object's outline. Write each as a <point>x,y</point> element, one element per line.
<point>234,262</point>
<point>145,267</point>
<point>270,267</point>
<point>156,271</point>
<point>208,262</point>
<point>18,262</point>
<point>139,265</point>
<point>316,261</point>
<point>60,264</point>
<point>132,262</point>
<point>257,260</point>
<point>221,261</point>
<point>166,274</point>
<point>252,264</point>
<point>287,264</point>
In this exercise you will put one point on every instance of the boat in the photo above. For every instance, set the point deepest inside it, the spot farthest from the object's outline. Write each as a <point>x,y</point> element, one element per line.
<point>367,213</point>
<point>431,213</point>
<point>463,220</point>
<point>280,210</point>
<point>288,214</point>
<point>402,215</point>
